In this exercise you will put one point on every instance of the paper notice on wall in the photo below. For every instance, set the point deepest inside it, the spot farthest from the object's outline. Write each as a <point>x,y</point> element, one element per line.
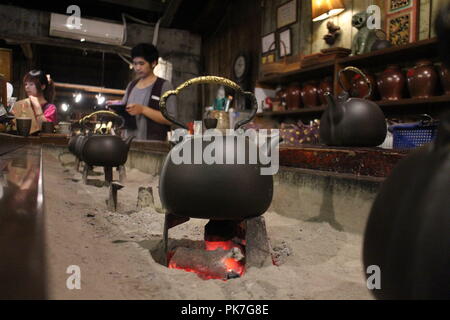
<point>163,69</point>
<point>261,94</point>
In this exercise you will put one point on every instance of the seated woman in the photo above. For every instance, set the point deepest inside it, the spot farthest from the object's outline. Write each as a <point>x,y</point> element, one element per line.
<point>41,91</point>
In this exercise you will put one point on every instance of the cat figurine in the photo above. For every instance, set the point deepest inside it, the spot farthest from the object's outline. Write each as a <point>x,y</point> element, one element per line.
<point>365,38</point>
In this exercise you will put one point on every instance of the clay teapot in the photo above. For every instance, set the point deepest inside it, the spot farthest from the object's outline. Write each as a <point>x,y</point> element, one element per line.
<point>223,189</point>
<point>408,231</point>
<point>422,79</point>
<point>352,122</point>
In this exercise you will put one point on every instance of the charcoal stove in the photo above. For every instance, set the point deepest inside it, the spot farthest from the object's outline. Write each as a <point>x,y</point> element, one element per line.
<point>230,248</point>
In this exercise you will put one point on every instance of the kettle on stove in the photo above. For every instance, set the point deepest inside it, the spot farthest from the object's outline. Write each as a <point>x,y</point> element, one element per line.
<point>222,190</point>
<point>352,122</point>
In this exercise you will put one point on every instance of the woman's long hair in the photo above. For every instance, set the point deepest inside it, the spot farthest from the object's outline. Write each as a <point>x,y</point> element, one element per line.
<point>39,78</point>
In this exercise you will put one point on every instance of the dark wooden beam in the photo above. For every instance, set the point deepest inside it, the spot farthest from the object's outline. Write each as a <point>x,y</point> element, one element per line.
<point>169,14</point>
<point>148,5</point>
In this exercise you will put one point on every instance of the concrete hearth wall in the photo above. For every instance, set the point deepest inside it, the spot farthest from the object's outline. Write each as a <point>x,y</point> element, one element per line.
<point>344,201</point>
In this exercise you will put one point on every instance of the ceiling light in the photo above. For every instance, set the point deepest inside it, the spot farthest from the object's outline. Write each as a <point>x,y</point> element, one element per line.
<point>78,97</point>
<point>100,99</point>
<point>65,107</point>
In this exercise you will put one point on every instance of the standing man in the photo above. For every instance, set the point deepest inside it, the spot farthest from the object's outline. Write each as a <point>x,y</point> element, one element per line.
<point>143,94</point>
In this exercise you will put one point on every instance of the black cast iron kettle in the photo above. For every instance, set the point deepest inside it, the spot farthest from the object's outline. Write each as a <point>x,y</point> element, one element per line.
<point>216,191</point>
<point>352,122</point>
<point>104,150</point>
<point>408,230</point>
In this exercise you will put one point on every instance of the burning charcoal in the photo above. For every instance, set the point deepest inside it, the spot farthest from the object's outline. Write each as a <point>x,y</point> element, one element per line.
<point>217,264</point>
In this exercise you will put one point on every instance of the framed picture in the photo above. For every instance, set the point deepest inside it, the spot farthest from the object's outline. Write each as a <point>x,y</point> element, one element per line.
<point>268,43</point>
<point>402,21</point>
<point>284,43</point>
<point>394,6</point>
<point>287,14</point>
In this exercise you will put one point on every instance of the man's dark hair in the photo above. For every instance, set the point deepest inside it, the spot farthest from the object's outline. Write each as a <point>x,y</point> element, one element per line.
<point>146,51</point>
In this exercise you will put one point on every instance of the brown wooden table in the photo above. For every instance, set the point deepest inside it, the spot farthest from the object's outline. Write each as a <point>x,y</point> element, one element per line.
<point>22,257</point>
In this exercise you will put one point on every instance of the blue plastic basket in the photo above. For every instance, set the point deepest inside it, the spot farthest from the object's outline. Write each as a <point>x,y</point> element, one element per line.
<point>413,135</point>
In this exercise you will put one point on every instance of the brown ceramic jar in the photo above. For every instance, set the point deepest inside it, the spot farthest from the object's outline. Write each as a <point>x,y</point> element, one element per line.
<point>359,87</point>
<point>282,97</point>
<point>310,96</point>
<point>326,85</point>
<point>444,74</point>
<point>422,79</point>
<point>391,83</point>
<point>293,98</point>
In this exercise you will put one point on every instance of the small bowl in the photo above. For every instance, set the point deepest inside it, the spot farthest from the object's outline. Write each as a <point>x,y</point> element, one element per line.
<point>210,123</point>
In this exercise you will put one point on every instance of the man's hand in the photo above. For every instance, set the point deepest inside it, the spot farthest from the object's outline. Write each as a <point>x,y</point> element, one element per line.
<point>134,109</point>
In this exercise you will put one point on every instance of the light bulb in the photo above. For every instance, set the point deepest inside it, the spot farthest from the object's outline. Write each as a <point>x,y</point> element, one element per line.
<point>64,107</point>
<point>78,97</point>
<point>100,99</point>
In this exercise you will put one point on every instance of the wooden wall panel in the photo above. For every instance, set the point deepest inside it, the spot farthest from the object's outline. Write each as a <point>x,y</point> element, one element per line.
<point>239,31</point>
<point>311,33</point>
<point>6,63</point>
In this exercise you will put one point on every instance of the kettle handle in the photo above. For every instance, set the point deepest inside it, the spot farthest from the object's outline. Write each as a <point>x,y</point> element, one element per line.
<point>362,74</point>
<point>82,120</point>
<point>207,80</point>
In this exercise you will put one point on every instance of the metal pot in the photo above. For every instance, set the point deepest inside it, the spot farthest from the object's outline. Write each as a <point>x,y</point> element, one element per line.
<point>408,231</point>
<point>352,122</point>
<point>214,191</point>
<point>105,150</point>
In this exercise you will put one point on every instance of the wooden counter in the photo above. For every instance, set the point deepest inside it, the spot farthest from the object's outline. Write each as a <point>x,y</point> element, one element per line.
<point>22,256</point>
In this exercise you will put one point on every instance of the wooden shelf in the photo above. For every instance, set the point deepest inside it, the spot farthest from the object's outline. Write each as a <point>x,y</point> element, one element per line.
<point>386,106</point>
<point>424,49</point>
<point>292,112</point>
<point>414,102</point>
<point>303,74</point>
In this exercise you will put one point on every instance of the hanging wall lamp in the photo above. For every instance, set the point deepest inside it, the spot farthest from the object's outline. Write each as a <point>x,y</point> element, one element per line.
<point>323,9</point>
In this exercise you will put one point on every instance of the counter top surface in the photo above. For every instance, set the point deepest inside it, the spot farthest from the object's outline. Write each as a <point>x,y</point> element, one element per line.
<point>21,223</point>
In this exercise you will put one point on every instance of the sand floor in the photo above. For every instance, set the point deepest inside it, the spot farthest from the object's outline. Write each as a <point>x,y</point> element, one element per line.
<point>116,252</point>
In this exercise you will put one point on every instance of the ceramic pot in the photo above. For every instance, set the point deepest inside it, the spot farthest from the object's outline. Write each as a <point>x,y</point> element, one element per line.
<point>407,235</point>
<point>293,97</point>
<point>391,83</point>
<point>422,79</point>
<point>444,74</point>
<point>310,95</point>
<point>282,98</point>
<point>326,85</point>
<point>360,89</point>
